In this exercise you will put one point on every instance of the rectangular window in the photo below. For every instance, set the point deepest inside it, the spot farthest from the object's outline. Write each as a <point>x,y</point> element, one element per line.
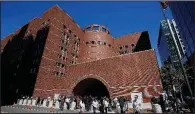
<point>67,38</point>
<point>56,73</point>
<point>39,52</point>
<point>37,60</point>
<point>61,48</point>
<point>34,70</point>
<point>57,63</point>
<point>70,31</point>
<point>103,30</point>
<point>38,46</point>
<point>72,54</point>
<point>20,58</point>
<point>62,41</point>
<point>96,28</point>
<point>66,43</point>
<point>64,26</point>
<point>35,53</point>
<point>61,74</point>
<point>31,70</point>
<point>88,29</point>
<point>64,34</point>
<point>74,48</point>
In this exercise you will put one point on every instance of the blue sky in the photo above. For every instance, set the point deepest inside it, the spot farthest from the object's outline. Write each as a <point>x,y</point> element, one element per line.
<point>121,18</point>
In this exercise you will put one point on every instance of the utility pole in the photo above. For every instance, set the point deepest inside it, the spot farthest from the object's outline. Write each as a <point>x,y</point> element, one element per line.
<point>163,7</point>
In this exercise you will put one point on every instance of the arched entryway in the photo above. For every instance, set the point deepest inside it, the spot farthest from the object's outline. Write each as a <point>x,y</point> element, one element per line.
<point>91,86</point>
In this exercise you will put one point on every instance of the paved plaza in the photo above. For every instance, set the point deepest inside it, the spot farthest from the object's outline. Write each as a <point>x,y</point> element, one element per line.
<point>33,109</point>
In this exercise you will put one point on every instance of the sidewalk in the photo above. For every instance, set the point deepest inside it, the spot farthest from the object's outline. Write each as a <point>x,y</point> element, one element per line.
<point>42,109</point>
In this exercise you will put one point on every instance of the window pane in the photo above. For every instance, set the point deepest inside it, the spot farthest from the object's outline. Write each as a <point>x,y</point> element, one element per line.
<point>103,30</point>
<point>96,28</point>
<point>89,29</point>
<point>192,46</point>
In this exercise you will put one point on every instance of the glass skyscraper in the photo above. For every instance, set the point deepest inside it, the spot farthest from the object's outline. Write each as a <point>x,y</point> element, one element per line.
<point>163,46</point>
<point>184,16</point>
<point>183,13</point>
<point>168,46</point>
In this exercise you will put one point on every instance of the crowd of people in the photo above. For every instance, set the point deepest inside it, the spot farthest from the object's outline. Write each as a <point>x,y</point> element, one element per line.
<point>169,103</point>
<point>119,105</point>
<point>90,104</point>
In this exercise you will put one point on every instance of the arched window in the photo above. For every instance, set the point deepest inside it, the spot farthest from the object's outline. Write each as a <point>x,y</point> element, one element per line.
<point>87,43</point>
<point>132,45</point>
<point>99,42</point>
<point>93,42</point>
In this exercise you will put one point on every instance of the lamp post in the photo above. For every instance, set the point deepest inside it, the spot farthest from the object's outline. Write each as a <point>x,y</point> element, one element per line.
<point>163,7</point>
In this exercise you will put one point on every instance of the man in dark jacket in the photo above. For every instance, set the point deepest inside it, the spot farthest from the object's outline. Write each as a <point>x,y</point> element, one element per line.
<point>121,102</point>
<point>62,100</point>
<point>38,101</point>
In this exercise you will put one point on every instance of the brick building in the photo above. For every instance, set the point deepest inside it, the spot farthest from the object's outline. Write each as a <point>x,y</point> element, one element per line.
<point>53,54</point>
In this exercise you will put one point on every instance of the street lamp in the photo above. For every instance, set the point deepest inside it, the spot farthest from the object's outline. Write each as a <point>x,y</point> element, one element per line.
<point>164,5</point>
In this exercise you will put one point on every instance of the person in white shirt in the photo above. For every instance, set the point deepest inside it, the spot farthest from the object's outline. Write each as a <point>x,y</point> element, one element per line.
<point>95,105</point>
<point>115,102</point>
<point>82,105</point>
<point>67,100</point>
<point>118,110</point>
<point>136,104</point>
<point>106,105</point>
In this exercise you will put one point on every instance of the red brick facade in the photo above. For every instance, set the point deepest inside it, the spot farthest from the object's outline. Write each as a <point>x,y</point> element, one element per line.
<point>94,54</point>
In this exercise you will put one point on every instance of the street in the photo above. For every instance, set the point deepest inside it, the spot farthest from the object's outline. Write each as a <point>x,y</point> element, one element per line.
<point>24,109</point>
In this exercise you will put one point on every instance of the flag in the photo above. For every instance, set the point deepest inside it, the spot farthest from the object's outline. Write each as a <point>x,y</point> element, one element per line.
<point>164,5</point>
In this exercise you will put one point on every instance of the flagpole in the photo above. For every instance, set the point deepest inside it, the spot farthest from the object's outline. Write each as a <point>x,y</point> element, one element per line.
<point>182,67</point>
